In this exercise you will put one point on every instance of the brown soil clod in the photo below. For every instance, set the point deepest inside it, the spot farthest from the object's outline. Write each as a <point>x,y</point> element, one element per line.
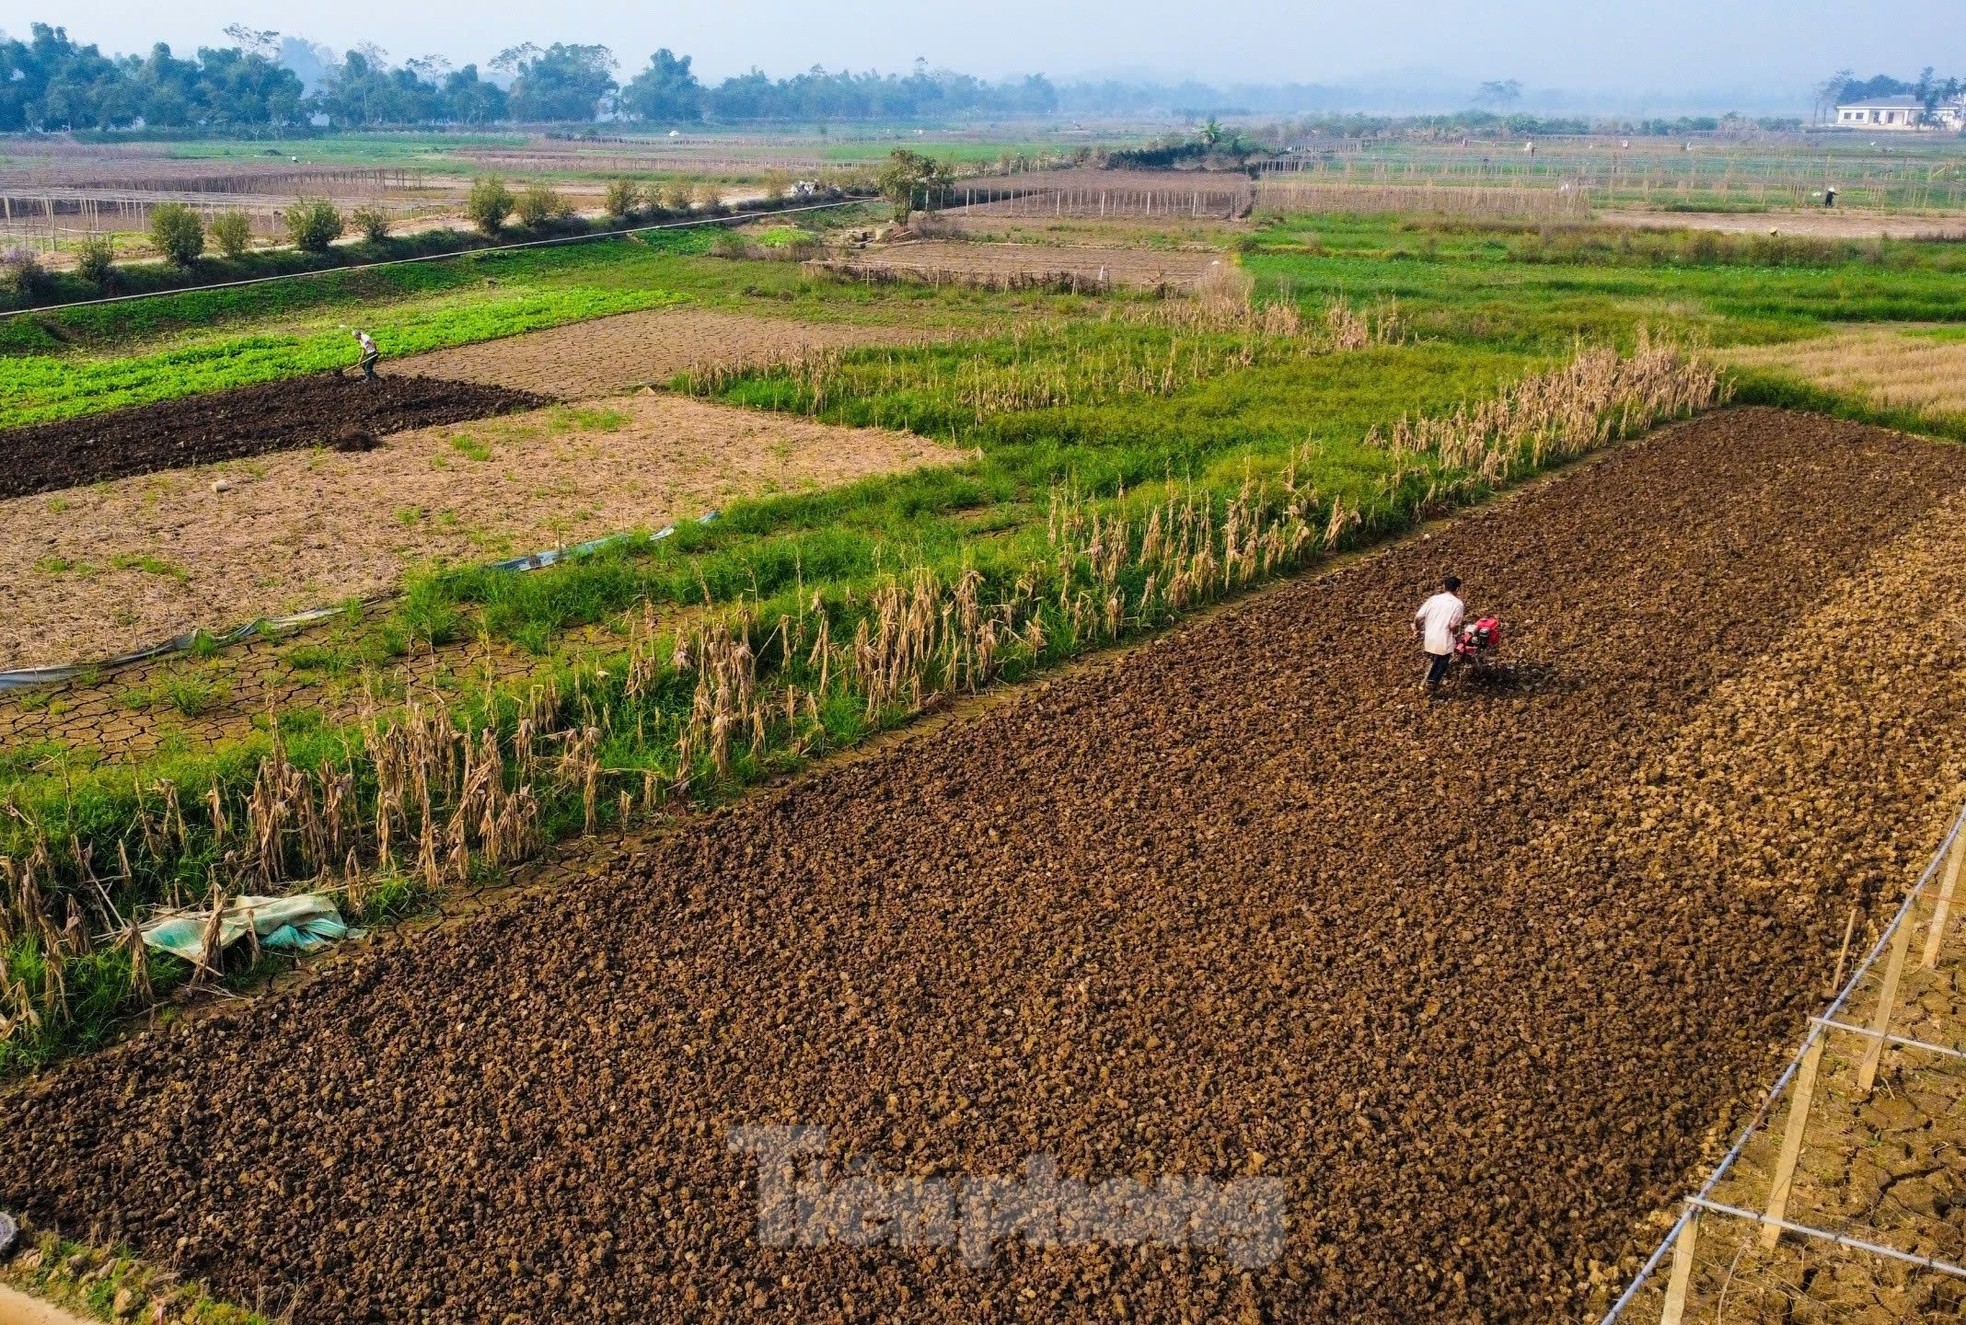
<point>231,425</point>
<point>355,440</point>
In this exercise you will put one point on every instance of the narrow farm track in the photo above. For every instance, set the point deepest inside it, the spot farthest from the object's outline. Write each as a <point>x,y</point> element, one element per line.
<point>1236,902</point>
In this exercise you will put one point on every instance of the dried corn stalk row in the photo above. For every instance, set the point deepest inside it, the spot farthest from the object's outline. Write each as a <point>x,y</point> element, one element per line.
<point>1598,397</point>
<point>1222,330</point>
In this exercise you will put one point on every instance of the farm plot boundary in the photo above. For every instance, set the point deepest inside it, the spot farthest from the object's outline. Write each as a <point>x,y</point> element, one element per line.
<point>1091,781</point>
<point>125,563</point>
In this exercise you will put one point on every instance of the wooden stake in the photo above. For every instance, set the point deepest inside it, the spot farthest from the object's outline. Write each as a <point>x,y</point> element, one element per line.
<point>1682,1269</point>
<point>1937,933</point>
<point>1887,999</point>
<point>1842,954</point>
<point>1792,1130</point>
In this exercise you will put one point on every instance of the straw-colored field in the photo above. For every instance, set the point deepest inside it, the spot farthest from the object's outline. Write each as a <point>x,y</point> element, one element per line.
<point>129,562</point>
<point>608,355</point>
<point>931,260</point>
<point>1908,368</point>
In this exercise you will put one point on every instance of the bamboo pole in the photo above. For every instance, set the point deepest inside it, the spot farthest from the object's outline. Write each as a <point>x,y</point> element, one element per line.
<point>1792,1130</point>
<point>1936,934</point>
<point>1842,954</point>
<point>1682,1269</point>
<point>1887,997</point>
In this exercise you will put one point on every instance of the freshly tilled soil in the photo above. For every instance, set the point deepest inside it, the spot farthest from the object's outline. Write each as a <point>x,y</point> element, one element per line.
<point>323,410</point>
<point>1236,902</point>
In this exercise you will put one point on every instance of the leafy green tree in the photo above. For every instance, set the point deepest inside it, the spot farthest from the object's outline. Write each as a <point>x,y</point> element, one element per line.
<point>22,275</point>
<point>176,232</point>
<point>563,82</point>
<point>372,223</point>
<point>666,91</point>
<point>913,182</point>
<point>232,232</point>
<point>314,223</point>
<point>469,99</point>
<point>538,204</point>
<point>50,82</point>
<point>488,204</point>
<point>624,198</point>
<point>95,261</point>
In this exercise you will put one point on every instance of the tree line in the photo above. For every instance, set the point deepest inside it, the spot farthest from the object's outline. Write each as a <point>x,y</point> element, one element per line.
<point>50,82</point>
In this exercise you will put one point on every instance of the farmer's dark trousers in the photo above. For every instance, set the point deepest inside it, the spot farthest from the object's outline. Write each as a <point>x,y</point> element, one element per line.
<point>1437,667</point>
<point>368,365</point>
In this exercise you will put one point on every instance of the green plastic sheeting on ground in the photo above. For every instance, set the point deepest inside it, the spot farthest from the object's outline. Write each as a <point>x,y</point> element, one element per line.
<point>302,924</point>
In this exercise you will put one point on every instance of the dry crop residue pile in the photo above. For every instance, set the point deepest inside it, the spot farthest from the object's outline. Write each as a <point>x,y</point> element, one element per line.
<point>1237,902</point>
<point>229,425</point>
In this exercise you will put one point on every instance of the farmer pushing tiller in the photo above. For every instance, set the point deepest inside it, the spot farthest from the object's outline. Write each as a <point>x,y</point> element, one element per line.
<point>1446,637</point>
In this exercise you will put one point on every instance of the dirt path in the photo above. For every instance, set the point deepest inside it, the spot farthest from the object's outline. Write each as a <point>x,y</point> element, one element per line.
<point>1236,905</point>
<point>17,1308</point>
<point>128,563</point>
<point>606,356</point>
<point>1820,223</point>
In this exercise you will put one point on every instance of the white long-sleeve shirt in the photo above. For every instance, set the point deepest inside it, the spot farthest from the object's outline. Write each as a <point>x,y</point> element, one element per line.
<point>1438,618</point>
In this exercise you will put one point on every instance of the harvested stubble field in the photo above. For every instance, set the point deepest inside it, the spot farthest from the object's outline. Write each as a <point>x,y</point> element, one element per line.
<point>610,355</point>
<point>245,421</point>
<point>1891,367</point>
<point>1819,223</point>
<point>126,563</point>
<point>929,259</point>
<point>1469,977</point>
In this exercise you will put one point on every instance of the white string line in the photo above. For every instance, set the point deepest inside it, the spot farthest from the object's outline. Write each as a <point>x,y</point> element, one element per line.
<point>1824,1235</point>
<point>1727,1161</point>
<point>1888,1038</point>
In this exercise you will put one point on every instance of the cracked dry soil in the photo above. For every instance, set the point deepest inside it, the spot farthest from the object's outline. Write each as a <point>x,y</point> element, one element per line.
<point>1236,901</point>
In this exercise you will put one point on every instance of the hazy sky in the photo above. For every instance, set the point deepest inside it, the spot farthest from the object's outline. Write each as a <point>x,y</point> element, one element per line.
<point>1668,45</point>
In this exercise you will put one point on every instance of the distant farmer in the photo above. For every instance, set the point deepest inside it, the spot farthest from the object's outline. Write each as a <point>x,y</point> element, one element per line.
<point>1436,623</point>
<point>369,354</point>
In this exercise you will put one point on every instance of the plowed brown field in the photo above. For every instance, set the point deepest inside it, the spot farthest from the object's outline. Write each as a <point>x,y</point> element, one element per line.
<point>606,356</point>
<point>321,410</point>
<point>1473,978</point>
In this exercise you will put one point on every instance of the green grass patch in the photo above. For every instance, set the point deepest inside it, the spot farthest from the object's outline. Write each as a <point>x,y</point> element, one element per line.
<point>1539,288</point>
